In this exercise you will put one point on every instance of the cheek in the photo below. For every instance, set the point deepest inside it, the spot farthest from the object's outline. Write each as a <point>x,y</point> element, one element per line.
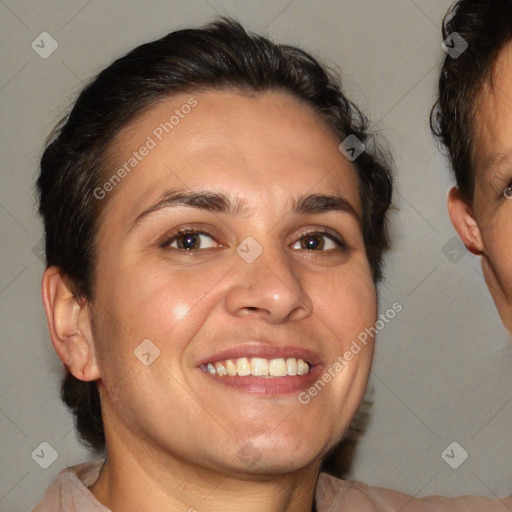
<point>503,250</point>
<point>348,297</point>
<point>142,302</point>
<point>152,299</point>
<point>497,240</point>
<point>344,306</point>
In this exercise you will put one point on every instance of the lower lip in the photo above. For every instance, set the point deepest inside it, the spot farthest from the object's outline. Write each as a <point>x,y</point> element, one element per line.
<point>272,386</point>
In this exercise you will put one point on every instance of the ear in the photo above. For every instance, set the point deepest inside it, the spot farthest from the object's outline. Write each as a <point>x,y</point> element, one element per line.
<point>70,326</point>
<point>464,222</point>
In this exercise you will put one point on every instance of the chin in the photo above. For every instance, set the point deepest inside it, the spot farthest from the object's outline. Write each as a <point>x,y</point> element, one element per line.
<point>271,465</point>
<point>258,456</point>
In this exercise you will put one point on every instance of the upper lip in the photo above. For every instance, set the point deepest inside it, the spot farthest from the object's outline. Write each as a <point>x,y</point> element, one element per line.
<point>263,350</point>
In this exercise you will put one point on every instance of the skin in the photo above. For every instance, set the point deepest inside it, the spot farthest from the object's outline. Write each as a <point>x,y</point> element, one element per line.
<point>485,225</point>
<point>175,434</point>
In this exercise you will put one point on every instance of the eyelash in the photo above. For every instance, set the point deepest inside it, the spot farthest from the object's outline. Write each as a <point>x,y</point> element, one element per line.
<point>331,235</point>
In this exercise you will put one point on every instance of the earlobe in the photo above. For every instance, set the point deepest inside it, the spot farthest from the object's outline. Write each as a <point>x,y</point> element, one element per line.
<point>464,222</point>
<point>70,326</point>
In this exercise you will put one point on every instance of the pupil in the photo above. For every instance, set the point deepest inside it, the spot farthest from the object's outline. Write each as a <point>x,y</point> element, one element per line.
<point>189,241</point>
<point>311,242</point>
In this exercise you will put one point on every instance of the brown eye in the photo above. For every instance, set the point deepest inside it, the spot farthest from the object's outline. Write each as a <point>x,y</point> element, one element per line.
<point>189,241</point>
<point>318,242</point>
<point>312,242</point>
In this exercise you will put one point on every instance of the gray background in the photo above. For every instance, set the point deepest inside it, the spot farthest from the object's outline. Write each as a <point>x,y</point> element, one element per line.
<point>442,370</point>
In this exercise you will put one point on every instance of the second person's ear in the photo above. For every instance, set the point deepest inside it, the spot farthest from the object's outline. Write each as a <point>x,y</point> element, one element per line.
<point>464,222</point>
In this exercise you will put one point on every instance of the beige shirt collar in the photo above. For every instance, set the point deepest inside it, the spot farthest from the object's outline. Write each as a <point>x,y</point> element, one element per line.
<point>70,493</point>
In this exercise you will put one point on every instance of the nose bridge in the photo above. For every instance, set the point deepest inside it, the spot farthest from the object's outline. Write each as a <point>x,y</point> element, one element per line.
<point>265,281</point>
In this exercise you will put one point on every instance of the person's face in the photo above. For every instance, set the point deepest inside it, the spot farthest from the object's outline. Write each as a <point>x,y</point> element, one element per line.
<point>486,226</point>
<point>303,296</point>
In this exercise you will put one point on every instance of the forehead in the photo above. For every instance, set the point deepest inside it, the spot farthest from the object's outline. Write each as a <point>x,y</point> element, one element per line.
<point>259,148</point>
<point>493,119</point>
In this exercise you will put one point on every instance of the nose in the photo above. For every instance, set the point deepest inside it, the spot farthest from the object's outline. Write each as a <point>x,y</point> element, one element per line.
<point>269,288</point>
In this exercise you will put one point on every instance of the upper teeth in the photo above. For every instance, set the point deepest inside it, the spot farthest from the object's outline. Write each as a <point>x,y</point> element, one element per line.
<point>259,367</point>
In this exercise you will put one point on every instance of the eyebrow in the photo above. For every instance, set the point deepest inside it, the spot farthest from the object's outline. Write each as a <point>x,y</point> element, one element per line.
<point>219,202</point>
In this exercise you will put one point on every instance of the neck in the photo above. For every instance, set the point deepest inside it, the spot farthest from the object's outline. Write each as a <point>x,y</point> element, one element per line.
<point>131,482</point>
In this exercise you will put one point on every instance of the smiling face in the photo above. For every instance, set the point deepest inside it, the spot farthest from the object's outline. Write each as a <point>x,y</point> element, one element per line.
<point>486,227</point>
<point>238,235</point>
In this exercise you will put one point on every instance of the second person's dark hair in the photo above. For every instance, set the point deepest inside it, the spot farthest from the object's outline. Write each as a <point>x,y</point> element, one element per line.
<point>486,26</point>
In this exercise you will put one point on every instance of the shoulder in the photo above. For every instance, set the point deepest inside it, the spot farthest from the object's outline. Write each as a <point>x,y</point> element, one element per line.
<point>70,491</point>
<point>333,494</point>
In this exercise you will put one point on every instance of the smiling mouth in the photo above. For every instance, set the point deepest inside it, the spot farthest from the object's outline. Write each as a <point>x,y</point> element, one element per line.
<point>258,367</point>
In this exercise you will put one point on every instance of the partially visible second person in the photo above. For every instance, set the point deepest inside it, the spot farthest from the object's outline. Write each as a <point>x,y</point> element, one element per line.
<point>473,119</point>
